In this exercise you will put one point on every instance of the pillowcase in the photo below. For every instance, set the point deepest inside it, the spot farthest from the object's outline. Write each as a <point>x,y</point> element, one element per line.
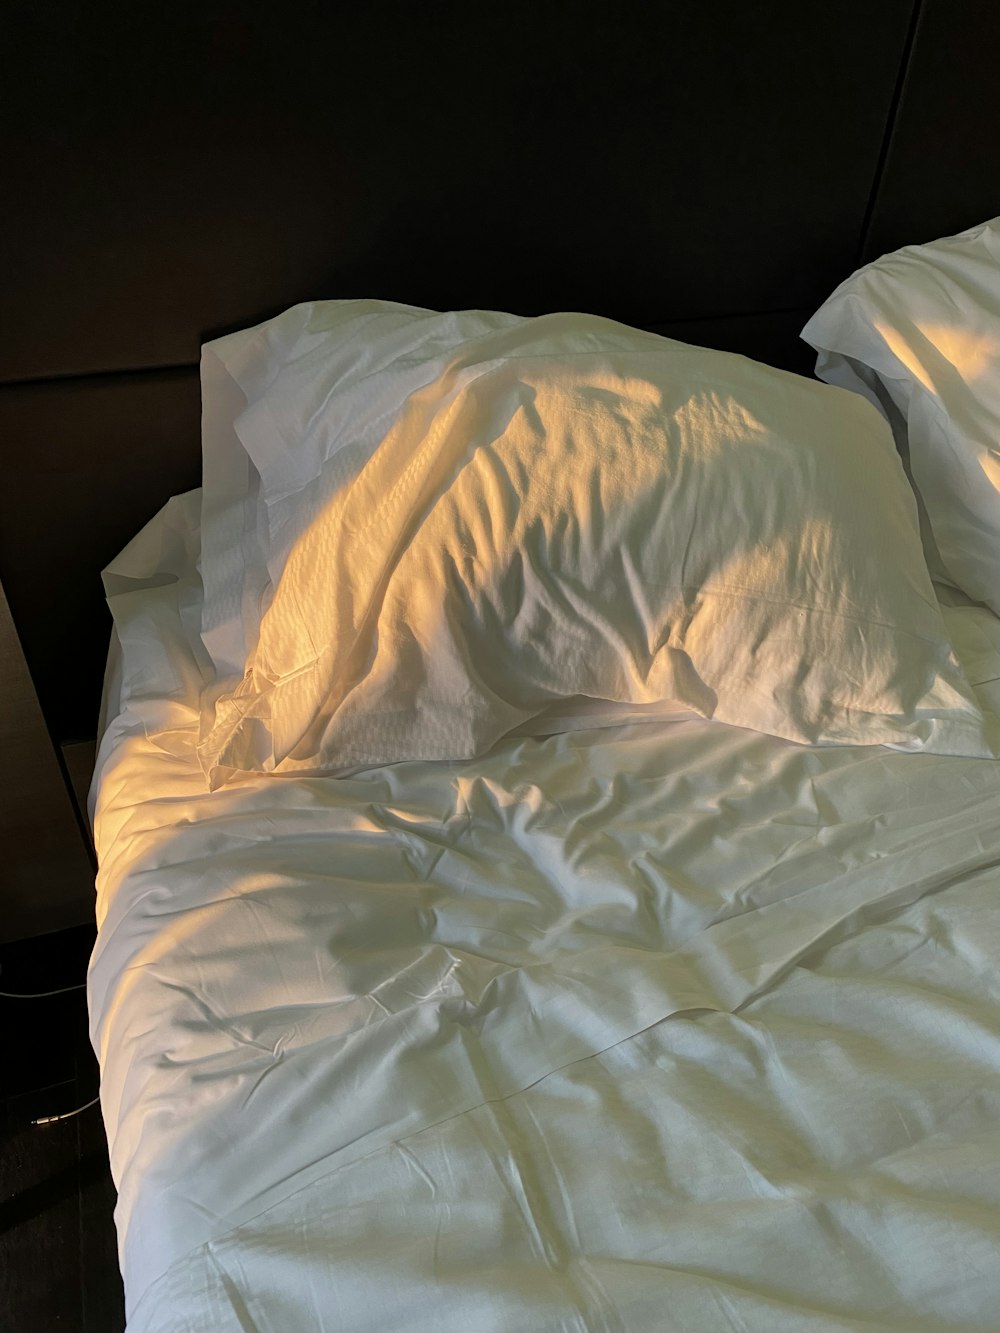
<point>918,333</point>
<point>291,409</point>
<point>573,508</point>
<point>233,560</point>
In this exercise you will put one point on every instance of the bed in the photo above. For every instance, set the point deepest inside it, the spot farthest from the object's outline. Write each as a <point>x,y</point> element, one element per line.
<point>611,1013</point>
<point>655,987</point>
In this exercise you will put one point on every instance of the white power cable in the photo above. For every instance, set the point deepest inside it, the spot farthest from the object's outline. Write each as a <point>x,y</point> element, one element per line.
<point>41,994</point>
<point>66,1115</point>
<point>44,995</point>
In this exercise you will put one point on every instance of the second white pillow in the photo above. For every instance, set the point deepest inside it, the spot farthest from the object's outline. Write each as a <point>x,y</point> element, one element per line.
<point>918,333</point>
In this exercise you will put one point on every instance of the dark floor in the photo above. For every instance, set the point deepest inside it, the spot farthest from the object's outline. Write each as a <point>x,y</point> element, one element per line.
<point>58,1257</point>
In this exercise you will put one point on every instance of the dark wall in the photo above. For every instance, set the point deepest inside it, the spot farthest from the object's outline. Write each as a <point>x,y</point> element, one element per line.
<point>941,171</point>
<point>709,169</point>
<point>179,169</point>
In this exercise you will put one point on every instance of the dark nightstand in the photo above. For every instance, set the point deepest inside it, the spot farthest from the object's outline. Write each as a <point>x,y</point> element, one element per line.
<point>46,870</point>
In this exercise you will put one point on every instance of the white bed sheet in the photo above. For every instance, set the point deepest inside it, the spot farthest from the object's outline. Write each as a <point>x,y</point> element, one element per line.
<point>668,1026</point>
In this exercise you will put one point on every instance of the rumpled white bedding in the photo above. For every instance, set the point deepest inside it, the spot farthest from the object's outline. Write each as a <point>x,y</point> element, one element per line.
<point>660,1026</point>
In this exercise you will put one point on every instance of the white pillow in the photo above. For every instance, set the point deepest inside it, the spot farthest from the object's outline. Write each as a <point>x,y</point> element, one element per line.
<point>918,333</point>
<point>233,562</point>
<point>291,410</point>
<point>576,508</point>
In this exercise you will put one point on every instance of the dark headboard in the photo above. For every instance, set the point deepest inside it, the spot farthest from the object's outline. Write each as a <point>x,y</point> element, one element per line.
<point>710,170</point>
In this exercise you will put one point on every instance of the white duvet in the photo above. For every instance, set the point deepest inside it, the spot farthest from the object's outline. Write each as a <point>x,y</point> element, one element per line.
<point>664,1026</point>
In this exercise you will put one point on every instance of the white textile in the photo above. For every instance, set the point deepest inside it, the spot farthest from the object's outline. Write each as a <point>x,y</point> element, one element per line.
<point>658,1027</point>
